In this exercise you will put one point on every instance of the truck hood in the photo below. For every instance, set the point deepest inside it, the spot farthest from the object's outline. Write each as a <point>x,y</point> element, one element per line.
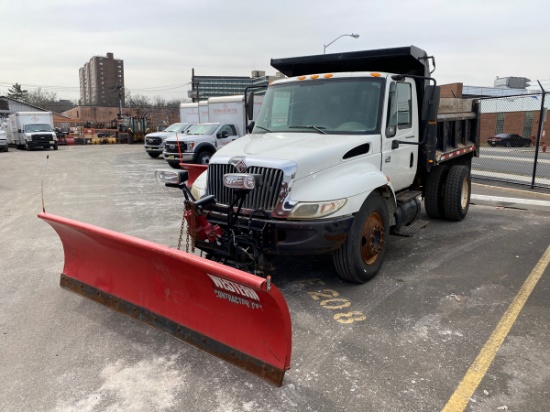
<point>164,135</point>
<point>311,151</point>
<point>182,137</point>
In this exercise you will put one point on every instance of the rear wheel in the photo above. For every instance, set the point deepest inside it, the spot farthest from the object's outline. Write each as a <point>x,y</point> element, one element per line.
<point>360,257</point>
<point>457,193</point>
<point>433,192</point>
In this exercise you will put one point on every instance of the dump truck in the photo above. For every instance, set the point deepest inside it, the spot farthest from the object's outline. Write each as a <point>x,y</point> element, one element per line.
<point>342,153</point>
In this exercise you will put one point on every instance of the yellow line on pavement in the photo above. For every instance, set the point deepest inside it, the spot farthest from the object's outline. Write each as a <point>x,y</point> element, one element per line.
<point>465,390</point>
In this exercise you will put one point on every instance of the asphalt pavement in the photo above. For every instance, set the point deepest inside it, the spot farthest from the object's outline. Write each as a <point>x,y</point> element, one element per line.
<point>407,340</point>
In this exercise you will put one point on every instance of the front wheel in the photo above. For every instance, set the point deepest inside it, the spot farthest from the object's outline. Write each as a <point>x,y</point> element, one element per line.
<point>174,165</point>
<point>360,257</point>
<point>204,158</point>
<point>154,155</point>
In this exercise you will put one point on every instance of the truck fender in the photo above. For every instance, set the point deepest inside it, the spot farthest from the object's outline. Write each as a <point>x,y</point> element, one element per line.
<point>205,147</point>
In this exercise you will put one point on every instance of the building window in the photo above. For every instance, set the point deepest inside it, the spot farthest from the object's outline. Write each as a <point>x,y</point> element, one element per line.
<point>528,124</point>
<point>499,128</point>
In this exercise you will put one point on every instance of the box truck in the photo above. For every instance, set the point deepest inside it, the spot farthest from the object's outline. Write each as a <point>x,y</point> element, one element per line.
<point>32,130</point>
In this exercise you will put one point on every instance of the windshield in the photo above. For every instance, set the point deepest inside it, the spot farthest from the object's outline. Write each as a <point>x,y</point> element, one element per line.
<point>38,127</point>
<point>350,105</point>
<point>176,127</point>
<point>201,129</point>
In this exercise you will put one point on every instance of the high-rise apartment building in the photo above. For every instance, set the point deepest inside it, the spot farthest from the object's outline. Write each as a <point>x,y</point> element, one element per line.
<point>102,81</point>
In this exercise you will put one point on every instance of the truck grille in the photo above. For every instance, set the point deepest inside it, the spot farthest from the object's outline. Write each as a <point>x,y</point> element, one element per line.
<point>42,138</point>
<point>264,197</point>
<point>172,147</point>
<point>154,140</point>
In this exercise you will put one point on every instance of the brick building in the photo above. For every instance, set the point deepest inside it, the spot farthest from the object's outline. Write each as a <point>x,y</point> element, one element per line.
<point>102,81</point>
<point>504,110</point>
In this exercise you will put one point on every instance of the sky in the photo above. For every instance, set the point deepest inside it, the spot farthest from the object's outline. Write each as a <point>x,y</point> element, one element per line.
<point>45,42</point>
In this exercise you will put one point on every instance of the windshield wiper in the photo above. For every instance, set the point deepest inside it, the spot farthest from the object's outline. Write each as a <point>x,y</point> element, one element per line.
<point>263,128</point>
<point>310,126</point>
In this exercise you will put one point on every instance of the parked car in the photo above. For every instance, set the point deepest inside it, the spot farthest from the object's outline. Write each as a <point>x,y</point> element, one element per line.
<point>509,140</point>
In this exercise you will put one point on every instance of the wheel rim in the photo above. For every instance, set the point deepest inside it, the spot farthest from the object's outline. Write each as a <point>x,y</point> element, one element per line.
<point>205,160</point>
<point>372,238</point>
<point>464,195</point>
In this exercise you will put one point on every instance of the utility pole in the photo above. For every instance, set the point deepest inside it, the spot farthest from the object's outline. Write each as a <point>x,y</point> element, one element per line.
<point>119,88</point>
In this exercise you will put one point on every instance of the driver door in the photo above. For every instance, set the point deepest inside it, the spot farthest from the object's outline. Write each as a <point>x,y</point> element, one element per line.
<point>399,160</point>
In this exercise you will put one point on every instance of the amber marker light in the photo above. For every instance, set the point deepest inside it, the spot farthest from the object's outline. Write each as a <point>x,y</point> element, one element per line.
<point>315,76</point>
<point>376,75</point>
<point>302,78</point>
<point>328,75</point>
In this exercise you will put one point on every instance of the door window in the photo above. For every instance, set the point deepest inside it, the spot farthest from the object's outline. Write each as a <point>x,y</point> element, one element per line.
<point>400,107</point>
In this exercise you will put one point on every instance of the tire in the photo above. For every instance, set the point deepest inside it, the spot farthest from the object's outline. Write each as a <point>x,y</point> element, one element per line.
<point>203,158</point>
<point>26,146</point>
<point>154,155</point>
<point>458,187</point>
<point>174,165</point>
<point>433,192</point>
<point>55,147</point>
<point>360,257</point>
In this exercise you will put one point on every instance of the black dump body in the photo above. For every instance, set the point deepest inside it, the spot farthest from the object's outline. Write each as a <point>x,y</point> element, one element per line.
<point>399,60</point>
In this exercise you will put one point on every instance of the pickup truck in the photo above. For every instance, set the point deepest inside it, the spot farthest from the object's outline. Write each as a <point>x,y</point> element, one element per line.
<point>198,144</point>
<point>340,157</point>
<point>154,142</point>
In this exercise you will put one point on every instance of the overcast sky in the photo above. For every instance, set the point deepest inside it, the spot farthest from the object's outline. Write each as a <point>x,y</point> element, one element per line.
<point>45,42</point>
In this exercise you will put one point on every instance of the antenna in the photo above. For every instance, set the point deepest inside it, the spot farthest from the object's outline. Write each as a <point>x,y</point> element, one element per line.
<point>42,184</point>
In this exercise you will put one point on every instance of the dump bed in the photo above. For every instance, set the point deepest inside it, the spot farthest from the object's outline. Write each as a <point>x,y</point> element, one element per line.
<point>457,132</point>
<point>399,60</point>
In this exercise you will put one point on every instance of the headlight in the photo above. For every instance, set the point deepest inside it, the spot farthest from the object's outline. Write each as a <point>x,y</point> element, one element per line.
<point>190,146</point>
<point>312,210</point>
<point>172,177</point>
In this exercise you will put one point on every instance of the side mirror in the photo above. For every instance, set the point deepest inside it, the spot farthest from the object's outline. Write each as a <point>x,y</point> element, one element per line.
<point>250,126</point>
<point>391,131</point>
<point>222,135</point>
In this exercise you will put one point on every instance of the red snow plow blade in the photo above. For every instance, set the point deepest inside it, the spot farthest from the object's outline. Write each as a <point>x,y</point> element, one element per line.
<point>231,314</point>
<point>193,170</point>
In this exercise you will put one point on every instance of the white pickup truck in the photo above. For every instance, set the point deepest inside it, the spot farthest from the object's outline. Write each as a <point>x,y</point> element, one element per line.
<point>154,142</point>
<point>198,143</point>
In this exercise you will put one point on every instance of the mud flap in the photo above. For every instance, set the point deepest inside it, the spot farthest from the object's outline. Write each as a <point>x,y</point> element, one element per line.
<point>194,171</point>
<point>231,314</point>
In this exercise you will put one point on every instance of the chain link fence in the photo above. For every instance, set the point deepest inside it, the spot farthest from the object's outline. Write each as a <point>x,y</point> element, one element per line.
<point>514,140</point>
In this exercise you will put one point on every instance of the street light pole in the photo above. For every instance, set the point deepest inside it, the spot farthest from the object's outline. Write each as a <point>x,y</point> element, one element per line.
<point>343,35</point>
